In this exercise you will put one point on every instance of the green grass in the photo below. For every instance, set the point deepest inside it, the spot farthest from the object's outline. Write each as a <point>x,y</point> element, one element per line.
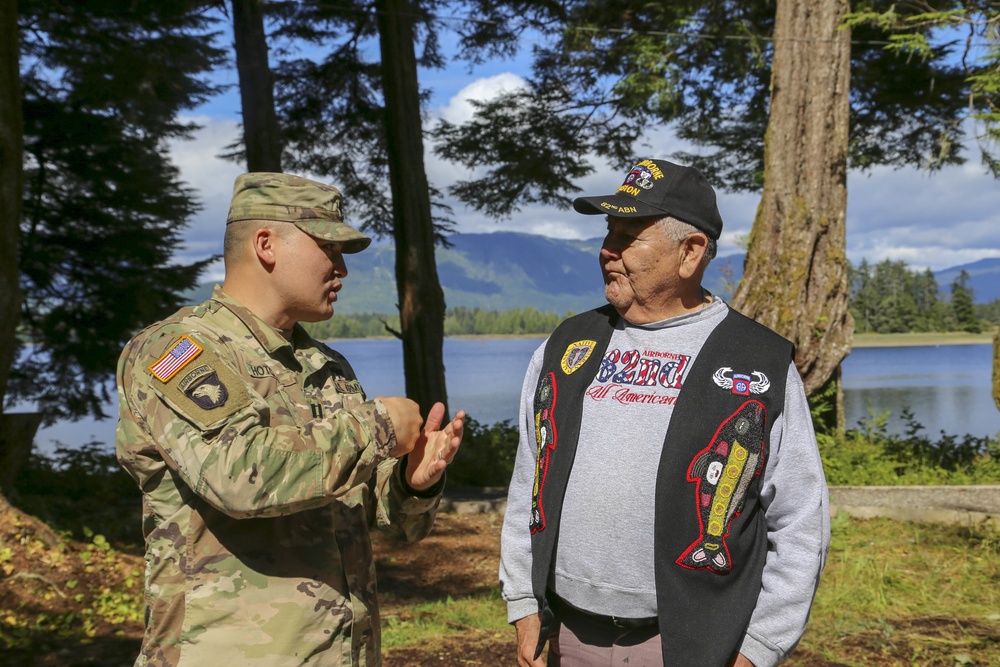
<point>900,593</point>
<point>417,624</point>
<point>892,593</point>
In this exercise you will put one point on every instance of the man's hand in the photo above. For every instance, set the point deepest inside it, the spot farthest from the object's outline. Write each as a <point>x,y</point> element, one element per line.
<point>405,417</point>
<point>434,449</point>
<point>742,661</point>
<point>527,640</point>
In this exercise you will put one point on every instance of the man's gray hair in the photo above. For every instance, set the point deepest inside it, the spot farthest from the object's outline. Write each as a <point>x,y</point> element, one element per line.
<point>678,230</point>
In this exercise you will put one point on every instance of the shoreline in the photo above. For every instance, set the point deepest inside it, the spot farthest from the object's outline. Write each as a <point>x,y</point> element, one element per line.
<point>923,339</point>
<point>930,339</point>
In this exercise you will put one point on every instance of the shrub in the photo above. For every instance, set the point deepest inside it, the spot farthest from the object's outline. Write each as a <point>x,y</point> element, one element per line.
<point>871,456</point>
<point>486,457</point>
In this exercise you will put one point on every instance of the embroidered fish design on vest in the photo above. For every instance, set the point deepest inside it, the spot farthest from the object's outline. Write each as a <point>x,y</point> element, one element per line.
<point>722,473</point>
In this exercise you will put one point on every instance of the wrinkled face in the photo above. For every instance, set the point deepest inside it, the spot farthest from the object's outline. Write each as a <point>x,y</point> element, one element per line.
<point>640,266</point>
<point>308,273</point>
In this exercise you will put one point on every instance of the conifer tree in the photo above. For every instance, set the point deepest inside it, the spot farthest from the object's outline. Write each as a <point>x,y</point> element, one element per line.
<point>611,70</point>
<point>103,83</point>
<point>963,305</point>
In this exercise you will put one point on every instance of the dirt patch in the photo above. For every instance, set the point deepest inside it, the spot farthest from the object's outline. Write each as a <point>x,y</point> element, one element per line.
<point>456,652</point>
<point>459,558</point>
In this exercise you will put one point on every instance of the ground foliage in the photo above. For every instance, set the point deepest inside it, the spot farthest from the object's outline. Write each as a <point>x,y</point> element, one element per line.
<point>893,593</point>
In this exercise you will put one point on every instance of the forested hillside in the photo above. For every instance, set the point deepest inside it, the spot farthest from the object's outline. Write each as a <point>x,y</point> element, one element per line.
<point>525,273</point>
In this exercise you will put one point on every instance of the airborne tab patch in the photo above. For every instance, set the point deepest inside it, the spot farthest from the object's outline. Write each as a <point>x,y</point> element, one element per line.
<point>576,355</point>
<point>206,394</point>
<point>176,358</point>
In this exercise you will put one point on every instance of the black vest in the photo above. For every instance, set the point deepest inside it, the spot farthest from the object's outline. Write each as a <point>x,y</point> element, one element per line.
<point>710,538</point>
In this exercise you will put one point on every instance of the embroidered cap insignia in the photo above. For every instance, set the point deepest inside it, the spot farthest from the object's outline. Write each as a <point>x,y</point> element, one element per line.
<point>741,384</point>
<point>576,355</point>
<point>176,358</point>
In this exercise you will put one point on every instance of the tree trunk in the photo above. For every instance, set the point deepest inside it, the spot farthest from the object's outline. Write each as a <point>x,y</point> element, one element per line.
<point>11,184</point>
<point>261,135</point>
<point>996,369</point>
<point>17,433</point>
<point>795,278</point>
<point>421,299</point>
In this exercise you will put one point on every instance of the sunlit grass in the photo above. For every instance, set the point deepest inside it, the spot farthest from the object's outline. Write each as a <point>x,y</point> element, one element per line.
<point>416,624</point>
<point>892,593</point>
<point>907,593</point>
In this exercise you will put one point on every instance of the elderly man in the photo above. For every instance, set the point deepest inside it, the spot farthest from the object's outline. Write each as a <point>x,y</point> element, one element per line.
<point>668,505</point>
<point>261,461</point>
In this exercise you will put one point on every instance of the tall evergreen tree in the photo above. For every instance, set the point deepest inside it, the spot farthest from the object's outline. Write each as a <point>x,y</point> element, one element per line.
<point>963,305</point>
<point>612,69</point>
<point>261,134</point>
<point>357,121</point>
<point>15,441</point>
<point>104,207</point>
<point>11,183</point>
<point>795,275</point>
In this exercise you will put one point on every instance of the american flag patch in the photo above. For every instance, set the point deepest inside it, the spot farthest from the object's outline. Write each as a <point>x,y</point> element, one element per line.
<point>183,351</point>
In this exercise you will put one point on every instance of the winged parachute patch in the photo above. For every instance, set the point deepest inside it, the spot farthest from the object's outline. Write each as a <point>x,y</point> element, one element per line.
<point>741,384</point>
<point>576,355</point>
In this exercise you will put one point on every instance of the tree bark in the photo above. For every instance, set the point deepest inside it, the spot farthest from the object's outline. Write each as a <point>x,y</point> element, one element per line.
<point>261,135</point>
<point>795,277</point>
<point>11,187</point>
<point>421,299</point>
<point>996,369</point>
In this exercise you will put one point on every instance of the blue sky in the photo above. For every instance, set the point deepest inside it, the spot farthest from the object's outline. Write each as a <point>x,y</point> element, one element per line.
<point>939,220</point>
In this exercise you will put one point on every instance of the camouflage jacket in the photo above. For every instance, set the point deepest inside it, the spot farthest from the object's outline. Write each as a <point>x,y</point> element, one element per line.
<point>262,466</point>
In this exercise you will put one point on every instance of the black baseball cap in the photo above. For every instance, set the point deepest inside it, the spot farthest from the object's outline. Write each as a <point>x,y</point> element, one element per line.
<point>660,188</point>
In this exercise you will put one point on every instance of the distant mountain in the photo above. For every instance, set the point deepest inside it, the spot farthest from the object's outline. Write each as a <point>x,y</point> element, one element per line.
<point>984,277</point>
<point>500,271</point>
<point>505,270</point>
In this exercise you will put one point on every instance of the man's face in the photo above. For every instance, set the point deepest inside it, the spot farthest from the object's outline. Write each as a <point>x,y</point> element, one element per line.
<point>309,272</point>
<point>640,267</point>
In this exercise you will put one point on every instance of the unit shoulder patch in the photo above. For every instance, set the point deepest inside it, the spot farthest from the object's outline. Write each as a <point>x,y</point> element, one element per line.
<point>576,355</point>
<point>207,393</point>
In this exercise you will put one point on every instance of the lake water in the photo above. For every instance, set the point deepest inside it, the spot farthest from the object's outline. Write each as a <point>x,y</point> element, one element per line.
<point>947,387</point>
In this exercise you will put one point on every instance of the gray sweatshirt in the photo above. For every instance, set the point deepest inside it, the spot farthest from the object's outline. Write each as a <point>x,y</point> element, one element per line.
<point>604,559</point>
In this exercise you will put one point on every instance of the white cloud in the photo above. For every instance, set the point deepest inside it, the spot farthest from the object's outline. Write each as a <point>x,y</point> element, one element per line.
<point>459,108</point>
<point>935,220</point>
<point>212,178</point>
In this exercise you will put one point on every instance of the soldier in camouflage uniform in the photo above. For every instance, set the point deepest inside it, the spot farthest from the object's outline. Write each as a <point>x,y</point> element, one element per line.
<point>262,463</point>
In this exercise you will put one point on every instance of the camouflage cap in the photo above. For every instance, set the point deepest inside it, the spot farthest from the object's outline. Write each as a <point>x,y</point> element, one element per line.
<point>312,207</point>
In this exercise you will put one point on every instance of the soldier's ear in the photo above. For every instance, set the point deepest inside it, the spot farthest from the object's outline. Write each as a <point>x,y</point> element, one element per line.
<point>264,246</point>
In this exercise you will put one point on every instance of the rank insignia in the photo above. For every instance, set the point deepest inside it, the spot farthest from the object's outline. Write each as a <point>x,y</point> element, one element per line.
<point>741,384</point>
<point>576,355</point>
<point>176,358</point>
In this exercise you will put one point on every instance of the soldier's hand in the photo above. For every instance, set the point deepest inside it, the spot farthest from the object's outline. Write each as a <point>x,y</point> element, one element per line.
<point>406,420</point>
<point>435,448</point>
<point>527,639</point>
